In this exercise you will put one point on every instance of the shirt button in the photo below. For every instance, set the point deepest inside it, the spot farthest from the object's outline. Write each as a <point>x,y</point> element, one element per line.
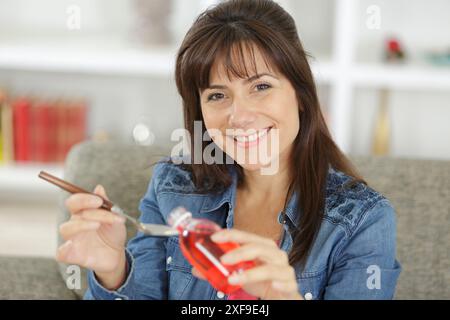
<point>169,260</point>
<point>308,296</point>
<point>220,294</point>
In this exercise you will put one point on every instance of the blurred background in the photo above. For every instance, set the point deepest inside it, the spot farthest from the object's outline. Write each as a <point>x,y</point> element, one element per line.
<point>104,70</point>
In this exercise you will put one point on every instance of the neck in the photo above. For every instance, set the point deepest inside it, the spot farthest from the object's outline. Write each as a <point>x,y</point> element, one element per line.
<point>268,187</point>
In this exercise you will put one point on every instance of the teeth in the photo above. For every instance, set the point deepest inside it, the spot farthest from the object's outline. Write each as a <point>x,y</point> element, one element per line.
<point>252,137</point>
<point>261,133</point>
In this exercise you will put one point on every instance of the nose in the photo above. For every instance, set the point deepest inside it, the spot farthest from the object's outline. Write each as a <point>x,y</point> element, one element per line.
<point>241,115</point>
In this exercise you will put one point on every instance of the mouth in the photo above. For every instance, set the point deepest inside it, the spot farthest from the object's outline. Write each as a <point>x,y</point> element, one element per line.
<point>251,139</point>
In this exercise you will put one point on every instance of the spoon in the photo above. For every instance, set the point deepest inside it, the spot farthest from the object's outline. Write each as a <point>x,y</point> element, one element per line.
<point>153,230</point>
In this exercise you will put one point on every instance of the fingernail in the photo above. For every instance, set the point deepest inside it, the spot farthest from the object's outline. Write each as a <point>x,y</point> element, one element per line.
<point>216,237</point>
<point>94,224</point>
<point>68,243</point>
<point>226,259</point>
<point>234,279</point>
<point>95,201</point>
<point>277,285</point>
<point>119,219</point>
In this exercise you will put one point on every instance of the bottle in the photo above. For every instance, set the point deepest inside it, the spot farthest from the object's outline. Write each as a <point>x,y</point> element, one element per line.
<point>203,253</point>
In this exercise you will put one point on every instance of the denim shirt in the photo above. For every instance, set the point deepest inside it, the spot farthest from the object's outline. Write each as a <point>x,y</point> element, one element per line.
<point>352,257</point>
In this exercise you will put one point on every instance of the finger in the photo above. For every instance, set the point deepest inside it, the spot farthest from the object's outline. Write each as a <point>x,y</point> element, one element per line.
<point>252,251</point>
<point>73,227</point>
<point>265,272</point>
<point>197,274</point>
<point>79,201</point>
<point>101,191</point>
<point>63,253</point>
<point>234,235</point>
<point>285,286</point>
<point>102,216</point>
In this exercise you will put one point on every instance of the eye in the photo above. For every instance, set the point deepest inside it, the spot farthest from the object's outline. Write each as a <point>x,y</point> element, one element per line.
<point>263,86</point>
<point>214,96</point>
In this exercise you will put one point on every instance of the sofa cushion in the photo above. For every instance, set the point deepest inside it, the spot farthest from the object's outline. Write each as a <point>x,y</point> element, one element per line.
<point>420,193</point>
<point>32,278</point>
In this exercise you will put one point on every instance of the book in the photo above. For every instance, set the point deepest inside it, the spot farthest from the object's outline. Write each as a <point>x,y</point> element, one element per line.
<point>21,124</point>
<point>78,121</point>
<point>7,133</point>
<point>1,135</point>
<point>62,129</point>
<point>42,132</point>
<point>2,101</point>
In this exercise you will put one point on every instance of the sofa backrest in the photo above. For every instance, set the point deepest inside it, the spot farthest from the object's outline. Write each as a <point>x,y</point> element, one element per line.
<point>418,189</point>
<point>420,193</point>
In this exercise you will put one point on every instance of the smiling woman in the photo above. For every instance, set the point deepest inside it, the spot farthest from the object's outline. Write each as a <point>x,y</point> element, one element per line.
<point>242,70</point>
<point>314,229</point>
<point>243,73</point>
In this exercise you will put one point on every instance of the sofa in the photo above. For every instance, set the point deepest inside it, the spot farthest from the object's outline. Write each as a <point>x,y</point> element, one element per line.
<point>418,189</point>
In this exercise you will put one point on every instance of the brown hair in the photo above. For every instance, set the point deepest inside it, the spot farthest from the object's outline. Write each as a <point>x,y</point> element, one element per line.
<point>226,30</point>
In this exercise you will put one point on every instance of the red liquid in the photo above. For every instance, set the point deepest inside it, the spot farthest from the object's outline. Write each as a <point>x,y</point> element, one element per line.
<point>204,254</point>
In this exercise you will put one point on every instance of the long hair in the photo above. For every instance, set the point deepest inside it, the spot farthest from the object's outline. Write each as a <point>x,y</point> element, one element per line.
<point>227,30</point>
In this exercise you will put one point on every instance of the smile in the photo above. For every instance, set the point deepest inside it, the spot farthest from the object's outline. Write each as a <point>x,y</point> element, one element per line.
<point>252,139</point>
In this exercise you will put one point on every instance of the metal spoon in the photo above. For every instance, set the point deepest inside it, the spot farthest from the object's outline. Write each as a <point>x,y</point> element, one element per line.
<point>150,229</point>
<point>154,230</point>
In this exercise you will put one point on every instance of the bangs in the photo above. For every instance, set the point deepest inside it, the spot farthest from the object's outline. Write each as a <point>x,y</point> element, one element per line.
<point>232,53</point>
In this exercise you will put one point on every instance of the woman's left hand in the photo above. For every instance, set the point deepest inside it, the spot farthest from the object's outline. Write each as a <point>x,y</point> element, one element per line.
<point>272,277</point>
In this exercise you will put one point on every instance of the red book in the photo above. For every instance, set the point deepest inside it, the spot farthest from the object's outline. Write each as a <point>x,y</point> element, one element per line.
<point>76,124</point>
<point>21,122</point>
<point>79,123</point>
<point>61,129</point>
<point>43,132</point>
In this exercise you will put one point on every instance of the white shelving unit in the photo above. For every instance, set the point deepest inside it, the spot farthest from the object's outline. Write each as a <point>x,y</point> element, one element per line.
<point>121,62</point>
<point>90,61</point>
<point>341,72</point>
<point>25,177</point>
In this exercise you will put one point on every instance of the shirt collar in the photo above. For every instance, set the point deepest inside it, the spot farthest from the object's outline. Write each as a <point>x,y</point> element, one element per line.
<point>216,201</point>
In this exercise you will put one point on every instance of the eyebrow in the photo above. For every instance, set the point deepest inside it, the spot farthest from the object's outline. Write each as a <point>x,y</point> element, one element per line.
<point>252,78</point>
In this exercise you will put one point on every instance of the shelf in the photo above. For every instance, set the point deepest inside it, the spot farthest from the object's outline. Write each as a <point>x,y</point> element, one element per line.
<point>121,61</point>
<point>324,71</point>
<point>25,177</point>
<point>401,76</point>
<point>115,61</point>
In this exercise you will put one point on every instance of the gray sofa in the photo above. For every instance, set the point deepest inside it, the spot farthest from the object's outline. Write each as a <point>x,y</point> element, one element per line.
<point>419,190</point>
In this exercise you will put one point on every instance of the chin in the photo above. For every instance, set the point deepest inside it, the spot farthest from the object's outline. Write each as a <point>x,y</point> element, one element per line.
<point>257,166</point>
<point>251,167</point>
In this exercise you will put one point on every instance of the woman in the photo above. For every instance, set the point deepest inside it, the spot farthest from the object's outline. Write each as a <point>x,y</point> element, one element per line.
<point>314,228</point>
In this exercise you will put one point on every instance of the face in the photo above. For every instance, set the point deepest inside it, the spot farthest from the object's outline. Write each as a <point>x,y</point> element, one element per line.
<point>255,120</point>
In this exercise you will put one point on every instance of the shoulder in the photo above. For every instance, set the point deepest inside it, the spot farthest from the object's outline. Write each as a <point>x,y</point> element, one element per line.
<point>353,204</point>
<point>171,175</point>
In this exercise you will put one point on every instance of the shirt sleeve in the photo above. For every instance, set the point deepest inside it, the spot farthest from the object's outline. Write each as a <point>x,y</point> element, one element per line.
<point>146,258</point>
<point>365,267</point>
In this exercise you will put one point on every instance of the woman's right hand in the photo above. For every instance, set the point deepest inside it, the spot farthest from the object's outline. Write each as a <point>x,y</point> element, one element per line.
<point>95,238</point>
